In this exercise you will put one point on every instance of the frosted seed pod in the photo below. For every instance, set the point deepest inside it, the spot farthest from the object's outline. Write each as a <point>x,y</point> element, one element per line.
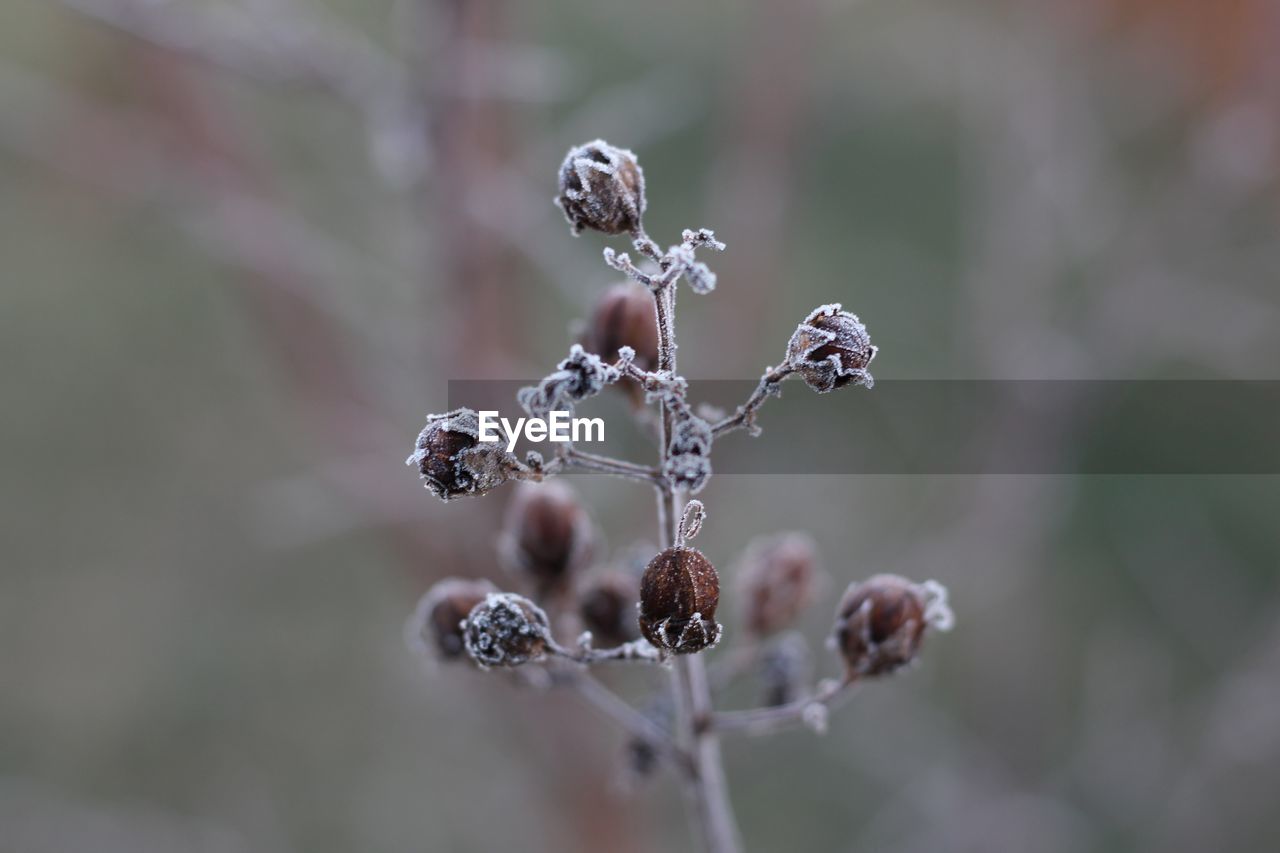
<point>678,597</point>
<point>602,188</point>
<point>831,349</point>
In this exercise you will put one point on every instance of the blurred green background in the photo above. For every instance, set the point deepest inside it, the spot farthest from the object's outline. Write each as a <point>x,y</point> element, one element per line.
<point>244,244</point>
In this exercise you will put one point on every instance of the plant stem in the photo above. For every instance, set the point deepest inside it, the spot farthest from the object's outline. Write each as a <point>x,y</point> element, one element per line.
<point>746,414</point>
<point>811,711</point>
<point>707,787</point>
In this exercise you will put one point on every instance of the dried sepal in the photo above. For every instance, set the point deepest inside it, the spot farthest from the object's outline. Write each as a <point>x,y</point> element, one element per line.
<point>547,536</point>
<point>602,188</point>
<point>435,628</point>
<point>831,349</point>
<point>776,578</point>
<point>607,607</point>
<point>881,623</point>
<point>581,375</point>
<point>506,629</point>
<point>679,593</point>
<point>454,462</point>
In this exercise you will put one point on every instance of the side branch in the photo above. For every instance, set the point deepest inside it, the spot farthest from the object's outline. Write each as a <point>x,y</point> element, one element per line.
<point>811,711</point>
<point>745,416</point>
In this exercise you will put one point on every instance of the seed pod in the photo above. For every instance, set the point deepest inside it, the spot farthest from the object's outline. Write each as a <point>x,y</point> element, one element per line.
<point>624,317</point>
<point>678,597</point>
<point>506,630</point>
<point>881,622</point>
<point>547,536</point>
<point>785,667</point>
<point>776,580</point>
<point>831,349</point>
<point>602,188</point>
<point>451,458</point>
<point>689,453</point>
<point>607,606</point>
<point>436,625</point>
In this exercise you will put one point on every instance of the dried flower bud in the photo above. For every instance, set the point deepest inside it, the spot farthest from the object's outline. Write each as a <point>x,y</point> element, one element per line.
<point>602,187</point>
<point>624,317</point>
<point>785,668</point>
<point>881,622</point>
<point>607,606</point>
<point>576,378</point>
<point>451,458</point>
<point>547,536</point>
<point>776,579</point>
<point>689,453</point>
<point>506,630</point>
<point>831,349</point>
<point>678,597</point>
<point>436,625</point>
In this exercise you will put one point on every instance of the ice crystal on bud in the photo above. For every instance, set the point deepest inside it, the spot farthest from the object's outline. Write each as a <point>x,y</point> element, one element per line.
<point>506,630</point>
<point>602,188</point>
<point>454,462</point>
<point>578,377</point>
<point>831,349</point>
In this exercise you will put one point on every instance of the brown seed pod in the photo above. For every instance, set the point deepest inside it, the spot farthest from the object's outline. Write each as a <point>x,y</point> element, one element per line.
<point>831,349</point>
<point>451,458</point>
<point>436,625</point>
<point>678,597</point>
<point>607,606</point>
<point>776,577</point>
<point>624,316</point>
<point>881,622</point>
<point>547,537</point>
<point>602,188</point>
<point>506,629</point>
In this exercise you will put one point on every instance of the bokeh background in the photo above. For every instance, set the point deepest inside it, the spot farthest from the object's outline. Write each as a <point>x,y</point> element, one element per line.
<point>244,245</point>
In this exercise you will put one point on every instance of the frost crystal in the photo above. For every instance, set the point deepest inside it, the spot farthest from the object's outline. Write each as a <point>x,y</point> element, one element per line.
<point>506,630</point>
<point>578,377</point>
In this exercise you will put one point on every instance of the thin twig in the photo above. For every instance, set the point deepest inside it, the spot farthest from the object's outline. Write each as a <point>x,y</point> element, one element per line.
<point>811,711</point>
<point>745,416</point>
<point>608,465</point>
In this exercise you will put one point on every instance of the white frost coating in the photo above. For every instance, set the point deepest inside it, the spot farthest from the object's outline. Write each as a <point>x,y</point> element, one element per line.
<point>506,630</point>
<point>843,332</point>
<point>581,375</point>
<point>937,612</point>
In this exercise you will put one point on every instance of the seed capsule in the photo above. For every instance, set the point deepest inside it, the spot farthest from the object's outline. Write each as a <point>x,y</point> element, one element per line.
<point>831,349</point>
<point>436,625</point>
<point>678,597</point>
<point>451,458</point>
<point>547,536</point>
<point>624,317</point>
<point>881,622</point>
<point>607,607</point>
<point>602,188</point>
<point>776,578</point>
<point>506,629</point>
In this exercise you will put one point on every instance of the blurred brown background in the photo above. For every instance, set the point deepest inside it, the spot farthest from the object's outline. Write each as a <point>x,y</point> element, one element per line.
<point>245,243</point>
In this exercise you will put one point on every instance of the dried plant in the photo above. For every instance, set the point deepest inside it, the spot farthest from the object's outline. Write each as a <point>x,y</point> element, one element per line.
<point>669,616</point>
